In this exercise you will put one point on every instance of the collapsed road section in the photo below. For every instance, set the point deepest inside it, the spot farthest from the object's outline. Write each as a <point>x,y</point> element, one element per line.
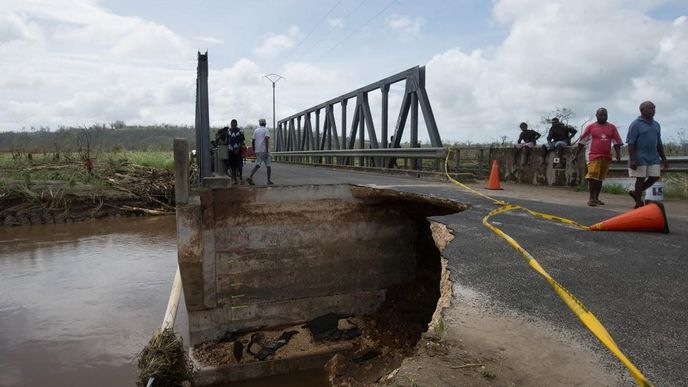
<point>266,271</point>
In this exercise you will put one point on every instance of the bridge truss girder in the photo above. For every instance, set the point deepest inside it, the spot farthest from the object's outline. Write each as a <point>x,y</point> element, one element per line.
<point>291,136</point>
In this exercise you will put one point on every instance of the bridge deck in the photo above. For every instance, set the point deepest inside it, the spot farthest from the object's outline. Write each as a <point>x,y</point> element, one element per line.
<point>633,282</point>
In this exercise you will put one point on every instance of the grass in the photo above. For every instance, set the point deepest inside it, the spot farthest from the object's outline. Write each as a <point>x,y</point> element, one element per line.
<point>615,189</point>
<point>68,167</point>
<point>675,186</point>
<point>153,159</point>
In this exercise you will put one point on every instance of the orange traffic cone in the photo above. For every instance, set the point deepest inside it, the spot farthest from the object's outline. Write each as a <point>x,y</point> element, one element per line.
<point>493,183</point>
<point>650,217</point>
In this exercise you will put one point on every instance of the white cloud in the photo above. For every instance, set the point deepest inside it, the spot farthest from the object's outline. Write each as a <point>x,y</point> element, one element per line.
<point>306,74</point>
<point>81,63</point>
<point>209,39</point>
<point>124,37</point>
<point>73,62</point>
<point>16,27</point>
<point>336,23</point>
<point>241,92</point>
<point>274,44</point>
<point>405,24</point>
<point>581,55</point>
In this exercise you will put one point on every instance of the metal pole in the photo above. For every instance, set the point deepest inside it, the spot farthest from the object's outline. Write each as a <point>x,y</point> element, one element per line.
<point>202,118</point>
<point>273,106</point>
<point>274,78</point>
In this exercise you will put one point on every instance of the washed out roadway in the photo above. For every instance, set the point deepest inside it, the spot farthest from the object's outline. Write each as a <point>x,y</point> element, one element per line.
<point>635,283</point>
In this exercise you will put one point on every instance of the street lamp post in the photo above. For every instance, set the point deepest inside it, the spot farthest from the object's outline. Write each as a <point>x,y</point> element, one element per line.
<point>274,78</point>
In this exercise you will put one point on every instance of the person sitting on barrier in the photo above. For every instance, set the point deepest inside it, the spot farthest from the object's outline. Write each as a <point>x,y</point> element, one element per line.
<point>645,150</point>
<point>559,137</point>
<point>235,143</point>
<point>526,142</point>
<point>261,145</point>
<point>598,139</point>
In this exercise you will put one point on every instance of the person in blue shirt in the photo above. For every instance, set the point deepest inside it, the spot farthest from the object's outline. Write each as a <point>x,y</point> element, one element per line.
<point>645,151</point>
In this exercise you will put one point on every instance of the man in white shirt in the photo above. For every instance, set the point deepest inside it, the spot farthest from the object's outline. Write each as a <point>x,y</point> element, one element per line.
<point>261,145</point>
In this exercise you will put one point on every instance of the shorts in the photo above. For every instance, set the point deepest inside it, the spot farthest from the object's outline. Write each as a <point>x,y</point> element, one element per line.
<point>645,171</point>
<point>553,145</point>
<point>525,145</point>
<point>598,168</point>
<point>263,158</point>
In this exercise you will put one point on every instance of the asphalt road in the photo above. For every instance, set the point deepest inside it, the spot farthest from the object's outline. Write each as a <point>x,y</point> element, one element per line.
<point>636,283</point>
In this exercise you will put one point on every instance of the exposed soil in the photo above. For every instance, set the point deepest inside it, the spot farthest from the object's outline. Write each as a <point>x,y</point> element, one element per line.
<point>222,352</point>
<point>126,191</point>
<point>387,337</point>
<point>494,347</point>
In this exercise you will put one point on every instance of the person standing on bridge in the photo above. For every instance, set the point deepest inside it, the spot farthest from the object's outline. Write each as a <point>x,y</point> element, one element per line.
<point>598,139</point>
<point>261,145</point>
<point>235,143</point>
<point>645,150</point>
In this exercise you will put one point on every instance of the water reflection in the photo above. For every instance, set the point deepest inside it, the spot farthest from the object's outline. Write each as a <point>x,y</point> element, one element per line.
<point>78,301</point>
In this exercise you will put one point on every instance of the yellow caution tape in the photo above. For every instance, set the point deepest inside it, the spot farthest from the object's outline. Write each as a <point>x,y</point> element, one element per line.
<point>577,307</point>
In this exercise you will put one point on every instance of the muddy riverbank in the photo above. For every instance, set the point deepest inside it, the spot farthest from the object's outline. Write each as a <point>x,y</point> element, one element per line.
<point>121,190</point>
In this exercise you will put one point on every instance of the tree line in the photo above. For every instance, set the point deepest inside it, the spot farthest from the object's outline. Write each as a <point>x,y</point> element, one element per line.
<point>105,137</point>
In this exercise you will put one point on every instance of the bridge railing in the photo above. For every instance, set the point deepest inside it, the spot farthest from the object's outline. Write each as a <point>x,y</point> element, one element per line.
<point>676,164</point>
<point>474,160</point>
<point>409,158</point>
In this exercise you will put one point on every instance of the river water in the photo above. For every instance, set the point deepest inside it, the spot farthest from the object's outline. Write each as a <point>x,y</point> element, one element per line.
<point>77,302</point>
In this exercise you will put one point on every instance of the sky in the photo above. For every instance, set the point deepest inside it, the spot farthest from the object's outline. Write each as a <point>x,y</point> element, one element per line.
<point>489,64</point>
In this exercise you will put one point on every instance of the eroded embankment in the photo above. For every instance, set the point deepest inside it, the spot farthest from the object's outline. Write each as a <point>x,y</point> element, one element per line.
<point>368,256</point>
<point>132,191</point>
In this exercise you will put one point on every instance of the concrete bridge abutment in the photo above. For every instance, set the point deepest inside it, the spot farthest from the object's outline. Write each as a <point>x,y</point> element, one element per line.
<point>261,257</point>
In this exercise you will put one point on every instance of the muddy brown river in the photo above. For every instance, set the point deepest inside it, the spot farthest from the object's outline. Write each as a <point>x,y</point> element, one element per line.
<point>77,302</point>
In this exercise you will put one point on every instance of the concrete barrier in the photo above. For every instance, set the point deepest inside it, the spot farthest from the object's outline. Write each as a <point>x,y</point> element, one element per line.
<point>565,173</point>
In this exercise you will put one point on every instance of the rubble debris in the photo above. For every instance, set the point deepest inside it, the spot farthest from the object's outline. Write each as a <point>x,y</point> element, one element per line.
<point>268,348</point>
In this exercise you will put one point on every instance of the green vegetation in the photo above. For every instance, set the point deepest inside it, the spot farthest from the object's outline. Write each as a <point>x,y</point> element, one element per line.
<point>70,168</point>
<point>615,189</point>
<point>676,185</point>
<point>96,138</point>
<point>153,159</point>
<point>114,137</point>
<point>67,187</point>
